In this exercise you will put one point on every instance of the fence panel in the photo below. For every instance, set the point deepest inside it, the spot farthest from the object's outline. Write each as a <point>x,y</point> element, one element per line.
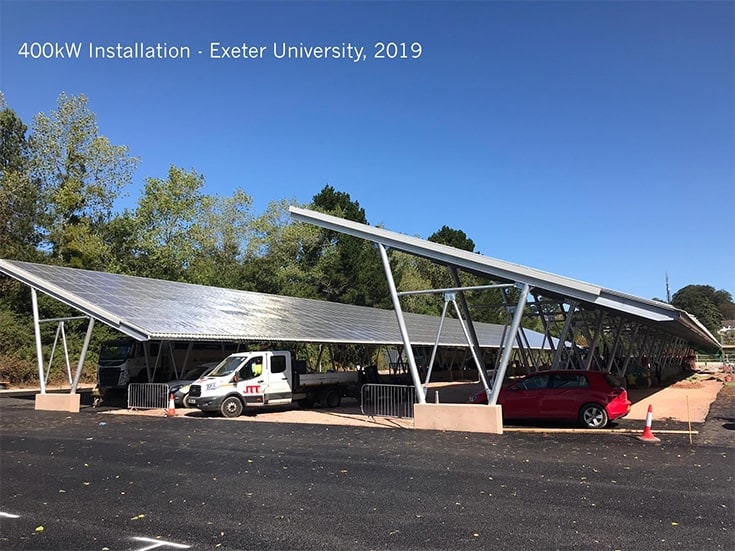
<point>378,400</point>
<point>148,396</point>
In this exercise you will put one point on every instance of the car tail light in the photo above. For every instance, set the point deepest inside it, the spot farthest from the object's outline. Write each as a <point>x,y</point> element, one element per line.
<point>618,393</point>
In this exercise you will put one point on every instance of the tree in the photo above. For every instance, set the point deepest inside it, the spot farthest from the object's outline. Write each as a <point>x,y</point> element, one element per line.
<point>182,234</point>
<point>275,251</point>
<point>710,307</point>
<point>19,208</point>
<point>166,223</point>
<point>485,305</point>
<point>80,174</point>
<point>344,268</point>
<point>454,238</point>
<point>219,253</point>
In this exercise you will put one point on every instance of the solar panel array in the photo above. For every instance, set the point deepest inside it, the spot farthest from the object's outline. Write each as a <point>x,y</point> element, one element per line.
<point>669,319</point>
<point>156,309</point>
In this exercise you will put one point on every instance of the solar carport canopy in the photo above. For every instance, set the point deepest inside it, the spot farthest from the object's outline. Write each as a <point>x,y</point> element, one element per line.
<point>151,309</point>
<point>675,322</point>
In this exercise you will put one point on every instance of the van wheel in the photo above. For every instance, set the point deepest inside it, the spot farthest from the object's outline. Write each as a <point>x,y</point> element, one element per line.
<point>231,407</point>
<point>184,403</point>
<point>332,398</point>
<point>593,416</point>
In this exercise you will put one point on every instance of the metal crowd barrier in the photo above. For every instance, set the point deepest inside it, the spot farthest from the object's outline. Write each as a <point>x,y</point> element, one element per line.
<point>377,400</point>
<point>148,396</point>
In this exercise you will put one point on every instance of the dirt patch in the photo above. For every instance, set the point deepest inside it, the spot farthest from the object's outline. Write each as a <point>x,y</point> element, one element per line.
<point>687,384</point>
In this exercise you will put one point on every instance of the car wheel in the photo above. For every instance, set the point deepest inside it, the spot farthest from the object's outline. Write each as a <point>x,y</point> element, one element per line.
<point>184,403</point>
<point>332,398</point>
<point>306,403</point>
<point>593,416</point>
<point>231,407</point>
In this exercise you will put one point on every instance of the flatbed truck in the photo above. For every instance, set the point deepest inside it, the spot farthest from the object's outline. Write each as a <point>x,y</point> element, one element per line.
<point>269,378</point>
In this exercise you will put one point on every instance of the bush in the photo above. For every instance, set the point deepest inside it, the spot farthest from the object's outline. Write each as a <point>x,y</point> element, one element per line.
<point>17,371</point>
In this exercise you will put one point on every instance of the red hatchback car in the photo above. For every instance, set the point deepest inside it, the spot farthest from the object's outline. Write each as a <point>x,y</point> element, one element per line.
<point>593,398</point>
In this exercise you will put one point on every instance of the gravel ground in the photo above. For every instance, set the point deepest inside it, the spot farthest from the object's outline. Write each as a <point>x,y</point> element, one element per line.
<point>719,427</point>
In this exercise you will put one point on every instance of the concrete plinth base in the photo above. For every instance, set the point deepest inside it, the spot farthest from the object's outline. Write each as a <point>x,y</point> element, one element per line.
<point>58,402</point>
<point>458,417</point>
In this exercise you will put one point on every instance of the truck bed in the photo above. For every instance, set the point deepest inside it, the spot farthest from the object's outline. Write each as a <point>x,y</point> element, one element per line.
<point>330,378</point>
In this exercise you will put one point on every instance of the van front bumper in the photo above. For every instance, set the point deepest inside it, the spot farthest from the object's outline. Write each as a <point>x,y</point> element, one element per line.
<point>205,403</point>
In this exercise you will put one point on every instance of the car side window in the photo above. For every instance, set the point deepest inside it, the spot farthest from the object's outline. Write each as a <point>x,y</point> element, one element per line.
<point>535,383</point>
<point>569,380</point>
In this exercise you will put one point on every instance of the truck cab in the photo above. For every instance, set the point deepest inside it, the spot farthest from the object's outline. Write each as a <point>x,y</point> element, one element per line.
<point>120,362</point>
<point>249,379</point>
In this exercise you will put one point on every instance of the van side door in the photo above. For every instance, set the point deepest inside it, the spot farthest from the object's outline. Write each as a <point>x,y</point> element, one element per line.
<point>278,388</point>
<point>251,380</point>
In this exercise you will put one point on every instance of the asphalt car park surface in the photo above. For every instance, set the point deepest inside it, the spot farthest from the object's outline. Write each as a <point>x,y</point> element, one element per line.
<point>98,481</point>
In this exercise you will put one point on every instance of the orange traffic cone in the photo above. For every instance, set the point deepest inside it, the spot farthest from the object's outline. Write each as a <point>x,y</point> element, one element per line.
<point>171,411</point>
<point>647,435</point>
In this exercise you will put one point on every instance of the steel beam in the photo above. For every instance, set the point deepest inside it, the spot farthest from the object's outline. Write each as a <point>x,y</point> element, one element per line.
<point>508,345</point>
<point>402,325</point>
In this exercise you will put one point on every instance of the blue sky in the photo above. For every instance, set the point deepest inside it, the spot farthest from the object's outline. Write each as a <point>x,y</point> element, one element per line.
<point>589,139</point>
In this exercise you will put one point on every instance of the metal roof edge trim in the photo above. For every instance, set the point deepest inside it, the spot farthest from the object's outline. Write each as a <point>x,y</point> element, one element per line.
<point>243,339</point>
<point>664,312</point>
<point>697,326</point>
<point>632,305</point>
<point>650,302</point>
<point>451,255</point>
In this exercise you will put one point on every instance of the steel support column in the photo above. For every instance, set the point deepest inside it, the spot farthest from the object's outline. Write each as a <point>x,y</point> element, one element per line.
<point>478,362</point>
<point>37,333</point>
<point>402,325</point>
<point>82,356</point>
<point>492,399</point>
<point>592,345</point>
<point>568,315</point>
<point>472,339</point>
<point>436,346</point>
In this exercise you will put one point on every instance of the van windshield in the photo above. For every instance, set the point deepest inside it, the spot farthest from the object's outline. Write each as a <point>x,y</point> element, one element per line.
<point>196,372</point>
<point>115,350</point>
<point>228,365</point>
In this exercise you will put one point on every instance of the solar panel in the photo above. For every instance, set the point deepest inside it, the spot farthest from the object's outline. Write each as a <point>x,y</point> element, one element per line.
<point>152,309</point>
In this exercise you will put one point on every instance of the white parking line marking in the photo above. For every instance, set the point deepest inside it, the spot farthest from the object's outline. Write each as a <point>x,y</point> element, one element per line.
<point>159,543</point>
<point>8,515</point>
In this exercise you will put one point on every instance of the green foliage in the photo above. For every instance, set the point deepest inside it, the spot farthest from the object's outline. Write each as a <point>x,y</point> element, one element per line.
<point>345,268</point>
<point>710,307</point>
<point>339,203</point>
<point>454,238</point>
<point>414,276</point>
<point>18,362</point>
<point>19,235</point>
<point>182,234</point>
<point>166,223</point>
<point>219,249</point>
<point>79,174</point>
<point>274,257</point>
<point>13,143</point>
<point>421,273</point>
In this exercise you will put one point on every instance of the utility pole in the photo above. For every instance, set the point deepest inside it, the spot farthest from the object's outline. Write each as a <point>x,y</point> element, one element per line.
<point>668,291</point>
